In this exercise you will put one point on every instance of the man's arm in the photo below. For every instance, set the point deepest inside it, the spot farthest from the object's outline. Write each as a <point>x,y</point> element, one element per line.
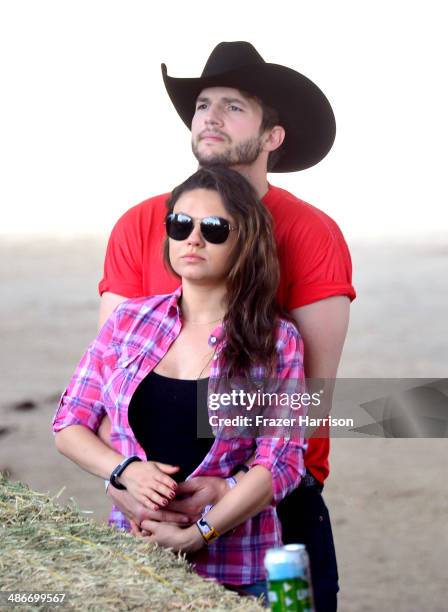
<point>323,326</point>
<point>109,301</point>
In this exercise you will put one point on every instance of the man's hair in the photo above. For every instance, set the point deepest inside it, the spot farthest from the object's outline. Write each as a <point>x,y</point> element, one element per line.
<point>254,273</point>
<point>269,119</point>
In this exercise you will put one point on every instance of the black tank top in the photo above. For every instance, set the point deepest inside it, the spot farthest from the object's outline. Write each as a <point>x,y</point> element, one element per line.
<point>163,415</point>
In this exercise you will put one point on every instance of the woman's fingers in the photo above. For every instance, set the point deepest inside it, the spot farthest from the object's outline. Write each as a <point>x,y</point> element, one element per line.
<point>165,488</point>
<point>146,501</point>
<point>165,467</point>
<point>135,529</point>
<point>149,483</point>
<point>151,499</point>
<point>158,492</point>
<point>162,483</point>
<point>150,526</point>
<point>157,499</point>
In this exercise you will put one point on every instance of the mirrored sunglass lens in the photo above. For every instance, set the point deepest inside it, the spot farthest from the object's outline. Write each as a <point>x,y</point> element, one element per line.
<point>215,229</point>
<point>179,227</point>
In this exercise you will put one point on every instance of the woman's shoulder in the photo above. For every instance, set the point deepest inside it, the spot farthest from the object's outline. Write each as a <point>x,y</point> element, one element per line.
<point>144,303</point>
<point>150,308</point>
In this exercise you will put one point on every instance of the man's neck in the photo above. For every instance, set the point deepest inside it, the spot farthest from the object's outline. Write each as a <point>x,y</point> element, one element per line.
<point>256,175</point>
<point>258,179</point>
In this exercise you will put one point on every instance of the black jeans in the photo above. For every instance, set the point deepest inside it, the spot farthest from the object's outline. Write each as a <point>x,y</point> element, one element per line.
<point>305,520</point>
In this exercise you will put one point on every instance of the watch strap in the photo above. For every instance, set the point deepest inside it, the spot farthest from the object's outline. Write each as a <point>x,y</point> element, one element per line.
<point>207,532</point>
<point>116,472</point>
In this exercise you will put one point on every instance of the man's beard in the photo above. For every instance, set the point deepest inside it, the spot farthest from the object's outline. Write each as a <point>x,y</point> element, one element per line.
<point>244,153</point>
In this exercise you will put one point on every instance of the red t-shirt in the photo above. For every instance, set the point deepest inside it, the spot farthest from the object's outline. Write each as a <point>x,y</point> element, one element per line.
<point>314,261</point>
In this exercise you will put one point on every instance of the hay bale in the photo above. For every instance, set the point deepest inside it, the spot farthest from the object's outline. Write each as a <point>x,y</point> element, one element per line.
<point>49,548</point>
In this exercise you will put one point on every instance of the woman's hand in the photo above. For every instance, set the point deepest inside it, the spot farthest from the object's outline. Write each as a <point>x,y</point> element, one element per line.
<point>136,530</point>
<point>137,512</point>
<point>148,482</point>
<point>180,539</point>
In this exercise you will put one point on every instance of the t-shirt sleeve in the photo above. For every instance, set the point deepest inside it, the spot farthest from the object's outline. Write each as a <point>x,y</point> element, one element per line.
<point>319,264</point>
<point>123,272</point>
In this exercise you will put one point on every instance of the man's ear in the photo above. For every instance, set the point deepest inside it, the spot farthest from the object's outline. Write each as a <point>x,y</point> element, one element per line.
<point>273,138</point>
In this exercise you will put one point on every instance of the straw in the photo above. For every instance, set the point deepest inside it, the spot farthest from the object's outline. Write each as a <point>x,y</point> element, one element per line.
<point>48,548</point>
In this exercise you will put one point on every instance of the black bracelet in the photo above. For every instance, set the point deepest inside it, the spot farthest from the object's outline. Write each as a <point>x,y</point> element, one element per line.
<point>116,473</point>
<point>240,468</point>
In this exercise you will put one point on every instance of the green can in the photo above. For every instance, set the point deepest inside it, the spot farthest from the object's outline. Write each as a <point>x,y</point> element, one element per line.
<point>289,585</point>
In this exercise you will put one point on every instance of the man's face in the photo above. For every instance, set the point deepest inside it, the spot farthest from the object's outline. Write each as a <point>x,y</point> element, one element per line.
<point>226,128</point>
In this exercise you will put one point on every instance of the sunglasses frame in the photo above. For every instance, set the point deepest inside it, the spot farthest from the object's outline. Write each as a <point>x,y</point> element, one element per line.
<point>200,220</point>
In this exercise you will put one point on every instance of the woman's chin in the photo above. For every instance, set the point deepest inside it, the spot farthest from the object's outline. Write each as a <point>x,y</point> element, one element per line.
<point>200,279</point>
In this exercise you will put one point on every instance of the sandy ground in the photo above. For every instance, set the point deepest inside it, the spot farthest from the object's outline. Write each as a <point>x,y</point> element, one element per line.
<point>388,498</point>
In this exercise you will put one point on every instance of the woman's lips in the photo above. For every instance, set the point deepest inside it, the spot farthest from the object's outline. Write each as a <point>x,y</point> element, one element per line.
<point>192,258</point>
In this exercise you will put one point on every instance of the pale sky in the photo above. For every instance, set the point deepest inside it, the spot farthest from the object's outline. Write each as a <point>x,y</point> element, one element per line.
<point>87,129</point>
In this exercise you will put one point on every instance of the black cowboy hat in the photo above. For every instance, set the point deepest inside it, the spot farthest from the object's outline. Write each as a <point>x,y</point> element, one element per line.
<point>304,111</point>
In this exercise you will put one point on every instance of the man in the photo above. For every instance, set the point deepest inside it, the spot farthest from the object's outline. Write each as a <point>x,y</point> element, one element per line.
<point>254,116</point>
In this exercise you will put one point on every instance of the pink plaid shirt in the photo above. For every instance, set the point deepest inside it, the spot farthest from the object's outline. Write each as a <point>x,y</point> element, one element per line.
<point>132,342</point>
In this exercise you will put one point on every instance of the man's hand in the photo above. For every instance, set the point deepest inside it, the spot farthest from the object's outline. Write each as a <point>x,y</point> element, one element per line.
<point>187,540</point>
<point>136,512</point>
<point>199,492</point>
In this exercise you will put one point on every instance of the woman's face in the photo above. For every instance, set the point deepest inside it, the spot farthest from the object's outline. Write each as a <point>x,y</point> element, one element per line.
<point>194,258</point>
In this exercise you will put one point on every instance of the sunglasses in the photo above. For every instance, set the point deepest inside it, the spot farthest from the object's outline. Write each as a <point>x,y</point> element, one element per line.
<point>215,230</point>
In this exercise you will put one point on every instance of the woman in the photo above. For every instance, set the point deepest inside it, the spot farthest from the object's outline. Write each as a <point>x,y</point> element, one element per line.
<point>143,368</point>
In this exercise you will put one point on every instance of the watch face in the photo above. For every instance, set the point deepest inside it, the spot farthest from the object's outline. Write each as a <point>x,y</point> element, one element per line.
<point>203,523</point>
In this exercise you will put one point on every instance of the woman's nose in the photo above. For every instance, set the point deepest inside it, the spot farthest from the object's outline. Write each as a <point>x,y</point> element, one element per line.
<point>195,237</point>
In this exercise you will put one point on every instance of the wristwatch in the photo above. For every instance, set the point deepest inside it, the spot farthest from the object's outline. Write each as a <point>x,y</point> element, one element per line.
<point>208,533</point>
<point>116,473</point>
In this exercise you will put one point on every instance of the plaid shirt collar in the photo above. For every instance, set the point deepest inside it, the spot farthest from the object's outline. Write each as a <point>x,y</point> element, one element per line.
<point>173,310</point>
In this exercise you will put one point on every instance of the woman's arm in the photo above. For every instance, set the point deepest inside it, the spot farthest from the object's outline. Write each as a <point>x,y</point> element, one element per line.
<point>85,448</point>
<point>78,418</point>
<point>252,494</point>
<point>147,481</point>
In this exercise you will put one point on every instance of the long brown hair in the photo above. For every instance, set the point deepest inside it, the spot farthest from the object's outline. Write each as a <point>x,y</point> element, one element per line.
<point>253,279</point>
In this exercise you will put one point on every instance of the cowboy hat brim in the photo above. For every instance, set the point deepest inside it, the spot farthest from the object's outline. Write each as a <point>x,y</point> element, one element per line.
<point>303,109</point>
